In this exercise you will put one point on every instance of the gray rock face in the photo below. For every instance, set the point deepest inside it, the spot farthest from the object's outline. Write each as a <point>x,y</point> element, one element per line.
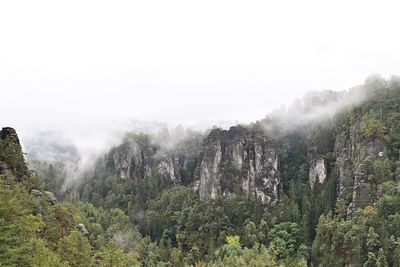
<point>19,171</point>
<point>354,157</point>
<point>344,164</point>
<point>134,161</point>
<point>317,151</point>
<point>36,193</point>
<point>361,187</point>
<point>52,197</point>
<point>128,158</point>
<point>318,170</point>
<point>169,166</point>
<point>239,161</point>
<point>227,163</point>
<point>81,227</point>
<point>8,132</point>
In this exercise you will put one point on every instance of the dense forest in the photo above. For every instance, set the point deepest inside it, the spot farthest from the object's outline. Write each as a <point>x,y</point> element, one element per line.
<point>317,184</point>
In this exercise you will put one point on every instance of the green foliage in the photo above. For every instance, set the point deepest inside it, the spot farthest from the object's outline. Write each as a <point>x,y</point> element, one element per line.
<point>232,248</point>
<point>18,226</point>
<point>45,257</point>
<point>382,171</point>
<point>250,234</point>
<point>52,175</point>
<point>371,126</point>
<point>285,239</point>
<point>381,261</point>
<point>229,179</point>
<point>149,220</point>
<point>112,256</point>
<point>258,256</point>
<point>364,239</point>
<point>11,154</point>
<point>75,249</point>
<point>294,156</point>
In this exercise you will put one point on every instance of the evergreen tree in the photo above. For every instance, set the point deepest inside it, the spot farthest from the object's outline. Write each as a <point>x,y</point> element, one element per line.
<point>372,241</point>
<point>113,256</point>
<point>381,261</point>
<point>75,249</point>
<point>371,260</point>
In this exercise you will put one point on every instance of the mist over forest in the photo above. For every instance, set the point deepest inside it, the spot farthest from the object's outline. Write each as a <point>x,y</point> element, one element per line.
<point>265,193</point>
<point>199,134</point>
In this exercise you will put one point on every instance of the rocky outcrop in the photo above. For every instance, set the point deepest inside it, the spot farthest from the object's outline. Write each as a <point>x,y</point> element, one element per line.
<point>81,227</point>
<point>170,167</point>
<point>138,159</point>
<point>320,144</point>
<point>354,157</point>
<point>361,187</point>
<point>318,170</point>
<point>12,162</point>
<point>344,164</point>
<point>8,132</point>
<point>36,193</point>
<point>239,161</point>
<point>52,198</point>
<point>131,160</point>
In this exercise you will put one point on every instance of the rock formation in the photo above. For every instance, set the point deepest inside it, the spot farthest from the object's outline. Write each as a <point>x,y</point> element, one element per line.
<point>36,193</point>
<point>354,156</point>
<point>235,162</point>
<point>8,132</point>
<point>318,170</point>
<point>81,227</point>
<point>135,160</point>
<point>239,161</point>
<point>52,198</point>
<point>12,162</point>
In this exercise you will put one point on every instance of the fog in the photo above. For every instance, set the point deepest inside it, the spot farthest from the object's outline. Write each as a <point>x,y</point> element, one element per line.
<point>321,107</point>
<point>88,69</point>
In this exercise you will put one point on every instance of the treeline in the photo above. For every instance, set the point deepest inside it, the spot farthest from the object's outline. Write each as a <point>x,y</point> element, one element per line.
<point>154,222</point>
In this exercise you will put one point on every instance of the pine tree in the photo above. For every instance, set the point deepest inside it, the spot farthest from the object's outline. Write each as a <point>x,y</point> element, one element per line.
<point>75,249</point>
<point>381,261</point>
<point>113,256</point>
<point>18,227</point>
<point>371,260</point>
<point>44,256</point>
<point>305,222</point>
<point>372,240</point>
<point>249,234</point>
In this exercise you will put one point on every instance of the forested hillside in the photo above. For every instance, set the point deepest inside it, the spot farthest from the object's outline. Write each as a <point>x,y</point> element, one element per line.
<point>317,184</point>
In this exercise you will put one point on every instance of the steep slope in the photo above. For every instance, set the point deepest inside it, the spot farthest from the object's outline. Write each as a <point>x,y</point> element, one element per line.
<point>225,163</point>
<point>360,145</point>
<point>240,160</point>
<point>141,156</point>
<point>261,159</point>
<point>287,190</point>
<point>12,163</point>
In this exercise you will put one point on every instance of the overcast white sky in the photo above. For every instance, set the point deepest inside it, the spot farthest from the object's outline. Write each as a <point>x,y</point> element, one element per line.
<point>79,63</point>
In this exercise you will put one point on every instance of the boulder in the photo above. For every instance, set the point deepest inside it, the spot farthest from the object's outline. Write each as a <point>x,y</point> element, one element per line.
<point>81,227</point>
<point>52,197</point>
<point>36,193</point>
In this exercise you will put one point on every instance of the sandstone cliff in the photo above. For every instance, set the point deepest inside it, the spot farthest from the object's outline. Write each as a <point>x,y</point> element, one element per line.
<point>12,163</point>
<point>238,161</point>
